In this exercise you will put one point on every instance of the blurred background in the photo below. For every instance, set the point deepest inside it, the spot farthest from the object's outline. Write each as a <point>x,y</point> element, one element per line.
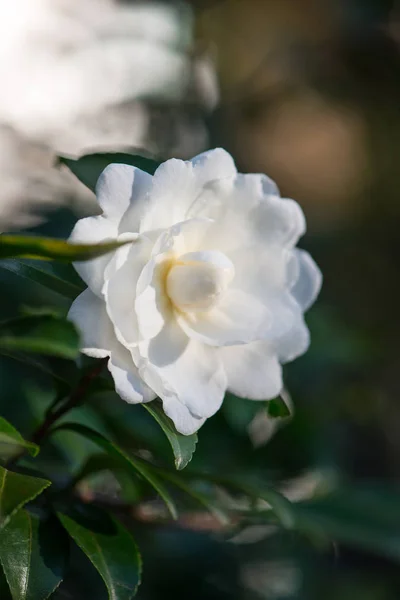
<point>307,91</point>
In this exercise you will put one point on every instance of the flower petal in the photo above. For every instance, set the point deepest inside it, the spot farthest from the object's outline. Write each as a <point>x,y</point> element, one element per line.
<point>239,318</point>
<point>175,186</point>
<point>184,421</point>
<point>152,305</point>
<point>177,367</point>
<point>99,340</point>
<point>128,383</point>
<point>308,282</point>
<point>262,271</point>
<point>213,164</point>
<point>119,290</point>
<point>253,371</point>
<point>120,186</point>
<point>89,314</point>
<point>244,214</point>
<point>93,230</point>
<point>294,342</point>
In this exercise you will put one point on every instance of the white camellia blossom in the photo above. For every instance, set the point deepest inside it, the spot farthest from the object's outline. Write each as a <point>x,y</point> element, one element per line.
<point>209,294</point>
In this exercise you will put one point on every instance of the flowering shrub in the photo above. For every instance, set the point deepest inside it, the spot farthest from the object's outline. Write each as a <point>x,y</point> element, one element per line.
<point>195,288</point>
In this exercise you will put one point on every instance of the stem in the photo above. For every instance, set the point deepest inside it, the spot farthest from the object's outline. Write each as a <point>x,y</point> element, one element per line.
<point>76,397</point>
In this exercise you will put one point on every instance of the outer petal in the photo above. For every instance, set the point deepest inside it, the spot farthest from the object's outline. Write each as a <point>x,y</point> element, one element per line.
<point>120,186</point>
<point>294,342</point>
<point>184,421</point>
<point>238,319</point>
<point>128,383</point>
<point>183,369</point>
<point>309,280</point>
<point>213,164</point>
<point>98,338</point>
<point>253,371</point>
<point>89,315</point>
<point>93,230</point>
<point>260,269</point>
<point>175,187</point>
<point>242,200</point>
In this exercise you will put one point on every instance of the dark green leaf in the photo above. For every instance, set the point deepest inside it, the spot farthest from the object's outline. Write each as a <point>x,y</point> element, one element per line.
<point>103,462</point>
<point>51,248</point>
<point>88,168</point>
<point>42,334</point>
<point>240,412</point>
<point>16,490</point>
<point>278,408</point>
<point>109,547</point>
<point>199,496</point>
<point>133,464</point>
<point>11,441</point>
<point>33,556</point>
<point>365,518</point>
<point>280,505</point>
<point>50,275</point>
<point>183,446</point>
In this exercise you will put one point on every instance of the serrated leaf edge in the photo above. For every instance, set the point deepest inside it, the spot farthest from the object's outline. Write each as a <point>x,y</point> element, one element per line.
<point>17,508</point>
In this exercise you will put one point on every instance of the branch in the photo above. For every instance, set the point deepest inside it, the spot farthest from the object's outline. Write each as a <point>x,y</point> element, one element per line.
<point>75,399</point>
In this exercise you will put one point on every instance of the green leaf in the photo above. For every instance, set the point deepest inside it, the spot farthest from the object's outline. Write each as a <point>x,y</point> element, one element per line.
<point>109,547</point>
<point>201,498</point>
<point>11,441</point>
<point>103,462</point>
<point>133,464</point>
<point>183,446</point>
<point>48,335</point>
<point>88,168</point>
<point>47,274</point>
<point>280,505</point>
<point>16,490</point>
<point>33,556</point>
<point>239,412</point>
<point>367,518</point>
<point>277,408</point>
<point>51,248</point>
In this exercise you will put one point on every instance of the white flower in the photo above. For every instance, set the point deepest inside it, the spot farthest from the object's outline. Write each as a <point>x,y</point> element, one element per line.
<point>210,294</point>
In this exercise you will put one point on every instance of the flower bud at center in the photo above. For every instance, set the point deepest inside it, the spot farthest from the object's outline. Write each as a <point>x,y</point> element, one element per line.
<point>196,280</point>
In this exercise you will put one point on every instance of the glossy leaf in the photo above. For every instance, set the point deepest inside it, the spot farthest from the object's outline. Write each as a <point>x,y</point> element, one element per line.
<point>109,547</point>
<point>183,446</point>
<point>47,274</point>
<point>33,556</point>
<point>16,490</point>
<point>133,464</point>
<point>11,441</point>
<point>51,248</point>
<point>88,168</point>
<point>48,335</point>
